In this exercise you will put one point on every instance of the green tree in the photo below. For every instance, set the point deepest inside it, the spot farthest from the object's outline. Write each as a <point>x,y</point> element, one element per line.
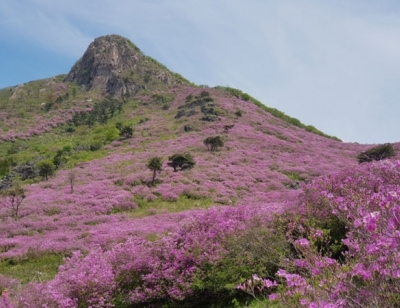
<point>213,143</point>
<point>5,165</point>
<point>125,131</point>
<point>379,152</point>
<point>62,156</point>
<point>182,161</point>
<point>110,133</point>
<point>119,125</point>
<point>13,198</point>
<point>154,164</point>
<point>46,168</point>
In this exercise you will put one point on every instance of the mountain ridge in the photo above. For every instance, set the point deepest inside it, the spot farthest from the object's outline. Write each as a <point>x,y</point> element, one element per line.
<point>113,66</point>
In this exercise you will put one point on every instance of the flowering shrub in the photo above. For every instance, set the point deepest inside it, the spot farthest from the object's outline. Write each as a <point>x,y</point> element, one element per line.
<point>367,200</point>
<point>81,282</point>
<point>5,300</point>
<point>197,255</point>
<point>201,257</point>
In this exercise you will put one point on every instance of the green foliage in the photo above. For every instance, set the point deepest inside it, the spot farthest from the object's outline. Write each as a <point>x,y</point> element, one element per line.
<point>213,143</point>
<point>6,165</point>
<point>379,152</point>
<point>275,112</point>
<point>69,129</point>
<point>162,98</point>
<point>182,161</point>
<point>62,156</point>
<point>204,94</point>
<point>95,146</point>
<point>35,266</point>
<point>159,205</point>
<point>125,131</point>
<point>110,133</point>
<point>154,164</point>
<point>255,250</point>
<point>189,98</point>
<point>13,149</point>
<point>164,68</point>
<point>334,229</point>
<point>101,113</point>
<point>46,168</point>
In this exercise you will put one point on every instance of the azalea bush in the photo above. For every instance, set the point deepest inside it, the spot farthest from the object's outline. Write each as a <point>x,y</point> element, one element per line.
<point>339,247</point>
<point>161,247</point>
<point>366,200</point>
<point>197,263</point>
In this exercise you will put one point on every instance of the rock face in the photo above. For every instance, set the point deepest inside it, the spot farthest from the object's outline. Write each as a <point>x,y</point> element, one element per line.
<point>115,65</point>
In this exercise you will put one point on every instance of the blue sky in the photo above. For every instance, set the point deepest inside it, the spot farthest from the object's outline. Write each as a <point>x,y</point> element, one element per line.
<point>332,64</point>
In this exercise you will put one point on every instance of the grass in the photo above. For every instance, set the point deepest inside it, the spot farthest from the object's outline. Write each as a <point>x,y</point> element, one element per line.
<point>33,266</point>
<point>262,304</point>
<point>293,175</point>
<point>158,206</point>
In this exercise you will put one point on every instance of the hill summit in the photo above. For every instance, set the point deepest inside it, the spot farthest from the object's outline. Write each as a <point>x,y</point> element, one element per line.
<point>115,65</point>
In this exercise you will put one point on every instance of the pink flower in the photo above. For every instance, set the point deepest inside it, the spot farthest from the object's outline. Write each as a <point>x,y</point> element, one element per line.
<point>274,296</point>
<point>269,283</point>
<point>359,270</point>
<point>370,221</point>
<point>304,301</point>
<point>302,242</point>
<point>301,263</point>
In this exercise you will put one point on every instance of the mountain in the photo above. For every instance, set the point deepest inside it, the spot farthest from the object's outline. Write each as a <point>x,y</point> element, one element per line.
<point>113,64</point>
<point>99,126</point>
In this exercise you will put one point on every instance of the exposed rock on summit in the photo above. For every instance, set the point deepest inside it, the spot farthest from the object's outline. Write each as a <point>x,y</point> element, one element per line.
<point>114,64</point>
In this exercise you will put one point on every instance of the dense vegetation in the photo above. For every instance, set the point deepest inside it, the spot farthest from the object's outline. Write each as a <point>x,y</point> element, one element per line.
<point>379,152</point>
<point>275,112</point>
<point>291,260</point>
<point>182,196</point>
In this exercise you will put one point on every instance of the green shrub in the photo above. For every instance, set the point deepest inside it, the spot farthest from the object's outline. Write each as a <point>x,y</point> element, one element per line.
<point>46,168</point>
<point>13,149</point>
<point>95,146</point>
<point>110,134</point>
<point>379,152</point>
<point>125,131</point>
<point>256,250</point>
<point>5,165</point>
<point>213,143</point>
<point>182,161</point>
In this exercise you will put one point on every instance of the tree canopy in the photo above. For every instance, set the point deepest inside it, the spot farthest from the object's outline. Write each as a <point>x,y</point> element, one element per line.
<point>154,164</point>
<point>46,168</point>
<point>213,143</point>
<point>182,161</point>
<point>379,152</point>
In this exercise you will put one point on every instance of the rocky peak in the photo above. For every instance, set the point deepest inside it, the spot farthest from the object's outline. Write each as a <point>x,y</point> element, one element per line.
<point>115,65</point>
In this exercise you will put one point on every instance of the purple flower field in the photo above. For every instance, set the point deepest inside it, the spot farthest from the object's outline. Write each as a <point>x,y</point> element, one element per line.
<point>124,248</point>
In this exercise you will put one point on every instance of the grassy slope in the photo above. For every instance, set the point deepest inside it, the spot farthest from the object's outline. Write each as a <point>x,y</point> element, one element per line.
<point>263,155</point>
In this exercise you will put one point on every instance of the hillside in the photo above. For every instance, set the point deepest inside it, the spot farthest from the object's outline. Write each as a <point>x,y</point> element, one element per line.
<point>101,193</point>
